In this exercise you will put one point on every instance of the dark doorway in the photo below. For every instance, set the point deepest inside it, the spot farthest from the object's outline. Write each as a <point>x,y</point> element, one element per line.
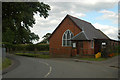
<point>80,48</point>
<point>98,45</point>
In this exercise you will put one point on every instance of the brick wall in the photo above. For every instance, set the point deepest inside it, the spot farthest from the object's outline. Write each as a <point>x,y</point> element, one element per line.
<point>86,49</point>
<point>56,48</point>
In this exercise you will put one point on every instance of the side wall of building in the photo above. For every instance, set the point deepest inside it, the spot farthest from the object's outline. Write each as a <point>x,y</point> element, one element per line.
<point>86,49</point>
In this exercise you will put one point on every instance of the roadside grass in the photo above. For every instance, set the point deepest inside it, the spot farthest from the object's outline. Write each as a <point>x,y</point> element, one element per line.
<point>33,55</point>
<point>116,54</point>
<point>0,63</point>
<point>94,59</point>
<point>42,51</point>
<point>99,59</point>
<point>6,63</point>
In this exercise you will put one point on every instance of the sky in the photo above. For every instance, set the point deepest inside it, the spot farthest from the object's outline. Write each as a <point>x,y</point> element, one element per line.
<point>101,14</point>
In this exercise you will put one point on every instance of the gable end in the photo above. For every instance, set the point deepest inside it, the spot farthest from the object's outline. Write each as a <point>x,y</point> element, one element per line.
<point>62,22</point>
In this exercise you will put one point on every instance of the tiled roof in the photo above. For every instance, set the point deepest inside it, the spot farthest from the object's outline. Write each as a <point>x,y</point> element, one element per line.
<point>89,32</point>
<point>80,36</point>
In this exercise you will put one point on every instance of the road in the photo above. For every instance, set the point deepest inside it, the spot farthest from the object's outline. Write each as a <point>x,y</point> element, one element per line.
<point>58,68</point>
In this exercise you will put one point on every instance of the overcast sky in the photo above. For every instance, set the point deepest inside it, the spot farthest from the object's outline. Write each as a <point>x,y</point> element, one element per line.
<point>103,15</point>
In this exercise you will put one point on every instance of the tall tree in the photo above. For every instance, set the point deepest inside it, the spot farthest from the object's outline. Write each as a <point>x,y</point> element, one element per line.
<point>18,17</point>
<point>46,38</point>
<point>119,34</point>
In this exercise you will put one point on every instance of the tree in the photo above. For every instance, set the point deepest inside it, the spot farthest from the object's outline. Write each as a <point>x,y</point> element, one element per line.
<point>119,34</point>
<point>17,18</point>
<point>46,38</point>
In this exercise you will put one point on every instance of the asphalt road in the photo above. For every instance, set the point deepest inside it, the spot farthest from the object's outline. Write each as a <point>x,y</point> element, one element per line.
<point>59,68</point>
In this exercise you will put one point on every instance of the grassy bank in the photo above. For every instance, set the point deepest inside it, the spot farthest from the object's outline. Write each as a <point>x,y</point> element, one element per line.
<point>6,63</point>
<point>93,59</point>
<point>33,55</point>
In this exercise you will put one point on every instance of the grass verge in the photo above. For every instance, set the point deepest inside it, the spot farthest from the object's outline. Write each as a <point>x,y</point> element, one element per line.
<point>116,54</point>
<point>93,59</point>
<point>33,55</point>
<point>6,63</point>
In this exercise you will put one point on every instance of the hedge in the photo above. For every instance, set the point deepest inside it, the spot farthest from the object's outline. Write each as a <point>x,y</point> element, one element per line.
<point>33,55</point>
<point>26,47</point>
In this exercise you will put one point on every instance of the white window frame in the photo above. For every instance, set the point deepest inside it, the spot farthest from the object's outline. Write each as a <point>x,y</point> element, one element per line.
<point>67,39</point>
<point>74,45</point>
<point>92,43</point>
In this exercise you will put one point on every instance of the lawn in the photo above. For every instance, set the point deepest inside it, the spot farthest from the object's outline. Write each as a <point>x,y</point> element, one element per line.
<point>33,55</point>
<point>6,63</point>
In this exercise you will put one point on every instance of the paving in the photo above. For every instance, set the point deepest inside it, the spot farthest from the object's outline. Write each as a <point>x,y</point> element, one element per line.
<point>59,68</point>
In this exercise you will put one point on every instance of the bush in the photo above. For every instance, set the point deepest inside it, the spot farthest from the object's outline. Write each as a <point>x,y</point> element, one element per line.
<point>7,45</point>
<point>6,63</point>
<point>26,47</point>
<point>42,47</point>
<point>33,55</point>
<point>30,47</point>
<point>19,47</point>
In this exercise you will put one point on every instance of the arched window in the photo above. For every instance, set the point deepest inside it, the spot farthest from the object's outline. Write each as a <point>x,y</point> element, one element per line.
<point>66,38</point>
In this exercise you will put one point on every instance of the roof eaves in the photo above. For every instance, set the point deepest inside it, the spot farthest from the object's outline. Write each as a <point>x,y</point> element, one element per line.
<point>102,33</point>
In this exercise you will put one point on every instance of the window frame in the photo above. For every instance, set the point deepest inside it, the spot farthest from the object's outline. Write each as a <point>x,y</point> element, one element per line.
<point>92,43</point>
<point>66,40</point>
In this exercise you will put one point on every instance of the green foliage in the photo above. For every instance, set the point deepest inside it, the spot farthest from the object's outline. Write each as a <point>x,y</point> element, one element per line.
<point>18,17</point>
<point>33,55</point>
<point>119,49</point>
<point>42,47</point>
<point>6,63</point>
<point>19,47</point>
<point>93,59</point>
<point>9,36</point>
<point>30,47</point>
<point>7,45</point>
<point>26,47</point>
<point>110,50</point>
<point>119,34</point>
<point>45,38</point>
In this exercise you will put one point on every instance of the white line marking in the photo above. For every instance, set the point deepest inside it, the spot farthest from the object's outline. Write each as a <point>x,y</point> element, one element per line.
<point>50,68</point>
<point>48,72</point>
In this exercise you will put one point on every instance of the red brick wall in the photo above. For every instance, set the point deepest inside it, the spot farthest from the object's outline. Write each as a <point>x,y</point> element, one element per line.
<point>56,48</point>
<point>87,47</point>
<point>86,50</point>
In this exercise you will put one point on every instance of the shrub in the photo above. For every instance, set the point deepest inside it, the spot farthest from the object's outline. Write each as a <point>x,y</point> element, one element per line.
<point>30,47</point>
<point>6,63</point>
<point>111,55</point>
<point>33,55</point>
<point>7,45</point>
<point>42,47</point>
<point>26,47</point>
<point>19,47</point>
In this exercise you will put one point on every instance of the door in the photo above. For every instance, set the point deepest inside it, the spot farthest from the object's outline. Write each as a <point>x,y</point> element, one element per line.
<point>80,48</point>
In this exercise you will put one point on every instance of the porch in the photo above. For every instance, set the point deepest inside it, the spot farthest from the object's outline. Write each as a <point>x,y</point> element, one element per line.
<point>88,48</point>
